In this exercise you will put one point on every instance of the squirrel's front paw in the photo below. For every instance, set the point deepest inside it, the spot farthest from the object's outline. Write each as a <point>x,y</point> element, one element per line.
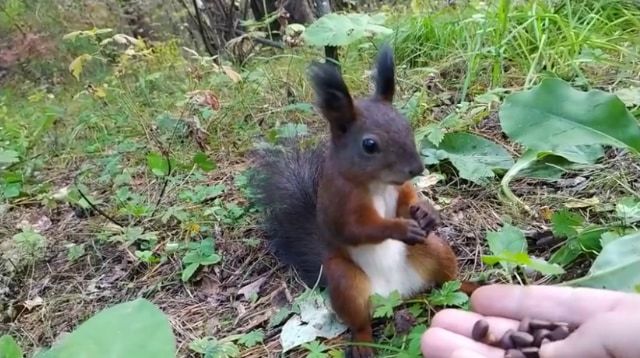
<point>426,215</point>
<point>415,234</point>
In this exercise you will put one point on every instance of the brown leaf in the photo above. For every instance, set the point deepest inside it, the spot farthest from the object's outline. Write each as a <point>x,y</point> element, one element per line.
<point>403,321</point>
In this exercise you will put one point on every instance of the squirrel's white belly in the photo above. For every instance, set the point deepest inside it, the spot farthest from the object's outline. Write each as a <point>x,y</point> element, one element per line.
<point>386,264</point>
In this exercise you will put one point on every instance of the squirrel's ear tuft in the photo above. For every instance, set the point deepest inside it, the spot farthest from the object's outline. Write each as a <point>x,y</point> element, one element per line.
<point>332,96</point>
<point>385,74</point>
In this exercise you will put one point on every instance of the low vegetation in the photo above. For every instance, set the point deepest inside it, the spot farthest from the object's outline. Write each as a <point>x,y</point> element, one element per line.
<point>124,163</point>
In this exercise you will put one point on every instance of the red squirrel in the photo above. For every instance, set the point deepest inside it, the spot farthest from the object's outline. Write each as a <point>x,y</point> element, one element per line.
<point>344,212</point>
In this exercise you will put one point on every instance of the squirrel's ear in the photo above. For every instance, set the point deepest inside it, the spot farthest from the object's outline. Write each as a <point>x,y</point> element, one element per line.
<point>385,74</point>
<point>332,95</point>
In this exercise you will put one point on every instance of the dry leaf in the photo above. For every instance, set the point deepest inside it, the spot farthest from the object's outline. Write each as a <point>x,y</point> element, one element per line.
<point>428,180</point>
<point>252,289</point>
<point>233,75</point>
<point>31,304</point>
<point>582,203</point>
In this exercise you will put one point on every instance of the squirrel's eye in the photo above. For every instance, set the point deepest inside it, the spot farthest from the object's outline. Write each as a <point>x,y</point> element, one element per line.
<point>369,145</point>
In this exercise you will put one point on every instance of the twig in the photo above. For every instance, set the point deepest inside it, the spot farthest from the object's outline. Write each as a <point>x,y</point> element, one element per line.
<point>105,215</point>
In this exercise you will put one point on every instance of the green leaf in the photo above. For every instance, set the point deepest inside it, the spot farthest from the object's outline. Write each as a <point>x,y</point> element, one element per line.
<point>203,162</point>
<point>8,157</point>
<point>76,66</point>
<point>570,251</point>
<point>522,259</point>
<point>316,349</point>
<point>158,164</point>
<point>383,306</point>
<point>188,271</point>
<point>9,348</point>
<point>475,157</point>
<point>628,210</point>
<point>132,329</point>
<point>213,348</point>
<point>448,295</point>
<point>617,266</point>
<point>566,223</point>
<point>252,338</point>
<point>508,239</point>
<point>554,116</point>
<point>343,29</point>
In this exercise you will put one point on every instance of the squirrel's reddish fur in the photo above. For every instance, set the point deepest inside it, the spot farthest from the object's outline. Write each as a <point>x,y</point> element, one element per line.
<point>344,212</point>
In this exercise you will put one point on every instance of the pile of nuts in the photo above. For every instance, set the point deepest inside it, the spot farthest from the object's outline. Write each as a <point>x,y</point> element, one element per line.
<point>526,341</point>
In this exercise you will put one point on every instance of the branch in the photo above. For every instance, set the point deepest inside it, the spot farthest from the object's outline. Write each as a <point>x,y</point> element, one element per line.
<point>202,30</point>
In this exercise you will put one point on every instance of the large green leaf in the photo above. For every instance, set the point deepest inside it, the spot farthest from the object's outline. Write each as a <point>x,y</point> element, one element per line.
<point>475,157</point>
<point>343,29</point>
<point>555,119</point>
<point>9,348</point>
<point>616,268</point>
<point>553,116</point>
<point>131,329</point>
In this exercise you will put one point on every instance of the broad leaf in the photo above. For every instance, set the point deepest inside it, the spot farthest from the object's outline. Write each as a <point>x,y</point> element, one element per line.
<point>616,268</point>
<point>448,295</point>
<point>553,116</point>
<point>628,210</point>
<point>565,223</point>
<point>252,338</point>
<point>158,164</point>
<point>9,348</point>
<point>131,329</point>
<point>76,66</point>
<point>343,29</point>
<point>315,320</point>
<point>522,259</point>
<point>509,247</point>
<point>476,158</point>
<point>8,157</point>
<point>509,239</point>
<point>555,119</point>
<point>384,305</point>
<point>203,162</point>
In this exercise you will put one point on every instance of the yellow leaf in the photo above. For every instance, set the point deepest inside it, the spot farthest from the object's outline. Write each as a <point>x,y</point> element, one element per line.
<point>76,65</point>
<point>72,35</point>
<point>582,203</point>
<point>99,92</point>
<point>233,75</point>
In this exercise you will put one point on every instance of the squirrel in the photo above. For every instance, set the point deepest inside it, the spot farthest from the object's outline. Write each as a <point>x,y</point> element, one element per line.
<point>344,212</point>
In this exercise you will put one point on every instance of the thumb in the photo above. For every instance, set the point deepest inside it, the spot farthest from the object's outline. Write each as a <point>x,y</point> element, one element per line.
<point>608,335</point>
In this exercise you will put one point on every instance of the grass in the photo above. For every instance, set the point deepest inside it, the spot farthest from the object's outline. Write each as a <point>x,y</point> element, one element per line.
<point>110,133</point>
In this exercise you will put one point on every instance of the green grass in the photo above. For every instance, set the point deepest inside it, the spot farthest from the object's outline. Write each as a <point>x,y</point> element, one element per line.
<point>111,132</point>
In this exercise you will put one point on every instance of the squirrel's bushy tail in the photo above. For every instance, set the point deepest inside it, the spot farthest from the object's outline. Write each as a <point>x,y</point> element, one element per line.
<point>284,182</point>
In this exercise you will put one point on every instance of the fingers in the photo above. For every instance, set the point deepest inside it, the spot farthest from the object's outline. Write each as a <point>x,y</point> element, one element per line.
<point>572,305</point>
<point>612,334</point>
<point>461,322</point>
<point>441,343</point>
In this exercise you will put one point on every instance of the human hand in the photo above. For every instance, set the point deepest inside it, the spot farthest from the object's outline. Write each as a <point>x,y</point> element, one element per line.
<point>608,321</point>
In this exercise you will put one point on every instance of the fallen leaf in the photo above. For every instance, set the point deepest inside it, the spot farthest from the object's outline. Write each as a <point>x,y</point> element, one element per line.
<point>403,321</point>
<point>429,180</point>
<point>233,75</point>
<point>204,98</point>
<point>252,289</point>
<point>582,203</point>
<point>315,320</point>
<point>31,304</point>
